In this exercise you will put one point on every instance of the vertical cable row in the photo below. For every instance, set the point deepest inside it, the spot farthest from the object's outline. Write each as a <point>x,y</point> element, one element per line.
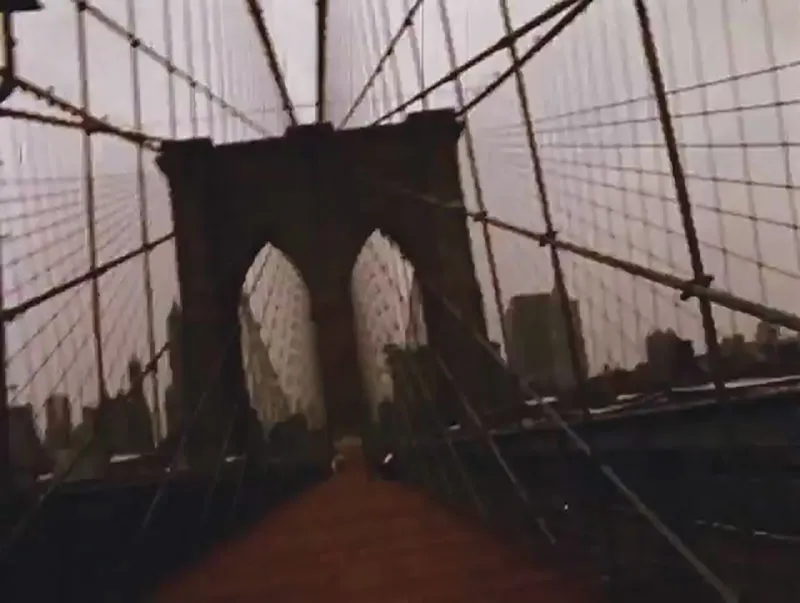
<point>188,34</point>
<point>497,293</point>
<point>144,220</point>
<point>417,56</point>
<point>207,48</point>
<point>544,202</point>
<point>172,109</point>
<point>87,157</point>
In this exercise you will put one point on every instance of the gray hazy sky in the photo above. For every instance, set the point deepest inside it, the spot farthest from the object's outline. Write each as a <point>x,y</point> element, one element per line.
<point>607,174</point>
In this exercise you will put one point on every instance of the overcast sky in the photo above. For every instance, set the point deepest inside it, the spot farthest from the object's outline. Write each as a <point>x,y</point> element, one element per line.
<point>607,175</point>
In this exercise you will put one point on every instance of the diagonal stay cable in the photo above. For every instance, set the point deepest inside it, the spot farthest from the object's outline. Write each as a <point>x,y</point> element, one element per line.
<point>22,526</point>
<point>90,122</point>
<point>688,288</point>
<point>408,21</point>
<point>425,389</point>
<point>705,572</point>
<point>502,44</point>
<point>477,421</point>
<point>28,516</point>
<point>541,187</point>
<point>165,62</point>
<point>246,456</point>
<point>185,432</point>
<point>257,15</point>
<point>170,472</point>
<point>472,162</point>
<point>217,475</point>
<point>40,118</point>
<point>13,312</point>
<point>209,497</point>
<point>519,488</point>
<point>238,489</point>
<point>573,13</point>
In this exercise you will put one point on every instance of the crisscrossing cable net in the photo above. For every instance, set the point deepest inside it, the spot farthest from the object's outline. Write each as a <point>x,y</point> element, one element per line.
<point>629,173</point>
<point>611,378</point>
<point>89,269</point>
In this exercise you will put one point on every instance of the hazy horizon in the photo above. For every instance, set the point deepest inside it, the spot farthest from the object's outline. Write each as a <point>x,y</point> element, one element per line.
<point>732,66</point>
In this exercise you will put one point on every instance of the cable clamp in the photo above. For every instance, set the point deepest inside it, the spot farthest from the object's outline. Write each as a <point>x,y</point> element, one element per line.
<point>703,280</point>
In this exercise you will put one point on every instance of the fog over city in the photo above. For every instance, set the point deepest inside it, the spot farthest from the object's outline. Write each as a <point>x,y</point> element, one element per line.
<point>732,69</point>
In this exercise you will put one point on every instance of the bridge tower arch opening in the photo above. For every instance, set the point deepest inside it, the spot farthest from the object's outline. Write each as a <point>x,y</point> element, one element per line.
<point>317,195</point>
<point>388,315</point>
<point>278,343</point>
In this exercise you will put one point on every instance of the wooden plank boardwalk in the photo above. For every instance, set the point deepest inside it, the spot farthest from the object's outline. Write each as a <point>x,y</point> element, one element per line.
<point>352,539</point>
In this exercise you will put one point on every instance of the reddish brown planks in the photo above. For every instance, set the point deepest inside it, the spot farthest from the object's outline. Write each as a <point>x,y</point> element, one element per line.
<point>351,539</point>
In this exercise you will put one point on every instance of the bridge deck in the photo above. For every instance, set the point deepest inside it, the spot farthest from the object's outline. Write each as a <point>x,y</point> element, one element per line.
<point>352,539</point>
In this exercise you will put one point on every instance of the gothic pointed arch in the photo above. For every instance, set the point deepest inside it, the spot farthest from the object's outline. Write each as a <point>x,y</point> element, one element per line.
<point>317,195</point>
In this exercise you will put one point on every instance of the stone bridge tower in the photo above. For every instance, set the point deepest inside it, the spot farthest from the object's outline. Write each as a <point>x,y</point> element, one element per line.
<point>316,194</point>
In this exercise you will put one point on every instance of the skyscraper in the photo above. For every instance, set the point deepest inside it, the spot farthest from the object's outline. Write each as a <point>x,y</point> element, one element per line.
<point>538,341</point>
<point>59,422</point>
<point>416,329</point>
<point>263,384</point>
<point>140,422</point>
<point>173,396</point>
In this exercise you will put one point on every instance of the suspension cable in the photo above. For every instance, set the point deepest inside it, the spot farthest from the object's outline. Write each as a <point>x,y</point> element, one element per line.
<point>489,51</point>
<point>572,14</point>
<point>407,23</point>
<point>689,288</point>
<point>706,573</point>
<point>257,15</point>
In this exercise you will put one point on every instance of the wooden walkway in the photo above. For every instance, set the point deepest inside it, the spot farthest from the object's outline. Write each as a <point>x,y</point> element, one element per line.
<point>352,539</point>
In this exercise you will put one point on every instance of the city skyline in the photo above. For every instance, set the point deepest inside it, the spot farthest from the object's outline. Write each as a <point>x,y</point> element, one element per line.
<point>734,99</point>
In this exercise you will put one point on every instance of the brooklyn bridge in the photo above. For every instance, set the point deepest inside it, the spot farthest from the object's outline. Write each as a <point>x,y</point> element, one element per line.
<point>400,300</point>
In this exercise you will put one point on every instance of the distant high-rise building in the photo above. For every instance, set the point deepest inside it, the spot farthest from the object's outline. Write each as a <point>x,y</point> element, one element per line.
<point>671,358</point>
<point>416,329</point>
<point>124,420</point>
<point>28,456</point>
<point>767,333</point>
<point>266,395</point>
<point>173,395</point>
<point>661,349</point>
<point>174,332</point>
<point>538,344</point>
<point>140,421</point>
<point>767,339</point>
<point>59,422</point>
<point>418,385</point>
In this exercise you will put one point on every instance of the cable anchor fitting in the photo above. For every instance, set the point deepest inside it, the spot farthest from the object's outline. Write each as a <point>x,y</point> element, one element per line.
<point>703,280</point>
